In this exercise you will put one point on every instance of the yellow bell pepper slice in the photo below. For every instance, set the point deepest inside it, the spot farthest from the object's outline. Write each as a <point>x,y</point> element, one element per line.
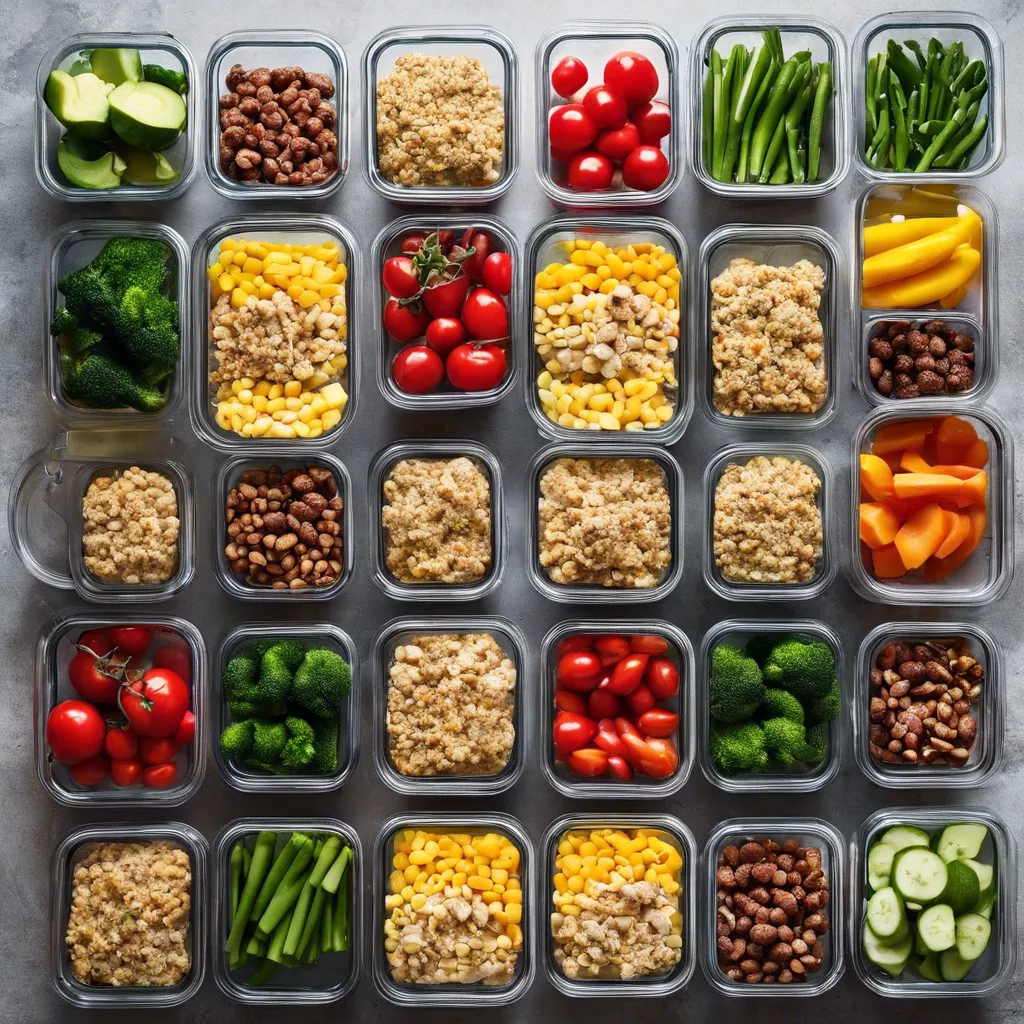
<point>890,234</point>
<point>925,288</point>
<point>921,254</point>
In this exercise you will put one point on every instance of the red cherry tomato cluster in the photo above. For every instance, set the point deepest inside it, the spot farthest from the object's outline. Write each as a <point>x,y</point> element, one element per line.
<point>615,124</point>
<point>447,306</point>
<point>608,695</point>
<point>131,716</point>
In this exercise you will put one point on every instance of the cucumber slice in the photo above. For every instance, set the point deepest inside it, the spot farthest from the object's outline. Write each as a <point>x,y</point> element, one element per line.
<point>929,968</point>
<point>899,837</point>
<point>880,865</point>
<point>962,887</point>
<point>886,917</point>
<point>147,115</point>
<point>959,842</point>
<point>986,875</point>
<point>972,934</point>
<point>936,927</point>
<point>953,966</point>
<point>986,905</point>
<point>919,875</point>
<point>892,959</point>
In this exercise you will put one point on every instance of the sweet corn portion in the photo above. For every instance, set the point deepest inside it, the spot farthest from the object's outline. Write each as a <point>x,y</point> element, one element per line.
<point>262,409</point>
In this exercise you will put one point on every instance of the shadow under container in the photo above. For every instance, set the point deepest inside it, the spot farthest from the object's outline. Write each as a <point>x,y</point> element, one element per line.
<point>594,43</point>
<point>546,246</point>
<point>808,832</point>
<point>592,593</point>
<point>825,42</point>
<point>988,712</point>
<point>315,53</point>
<point>995,967</point>
<point>827,563</point>
<point>288,456</point>
<point>154,48</point>
<point>669,829</point>
<point>740,632</point>
<point>313,635</point>
<point>989,569</point>
<point>436,450</point>
<point>294,229</point>
<point>513,645</point>
<point>981,42</point>
<point>498,56</point>
<point>776,245</point>
<point>641,787</point>
<point>307,985</point>
<point>73,246</point>
<point>71,851</point>
<point>388,244</point>
<point>452,994</point>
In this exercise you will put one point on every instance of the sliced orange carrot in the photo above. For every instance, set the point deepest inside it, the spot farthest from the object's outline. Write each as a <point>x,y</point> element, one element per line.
<point>954,430</point>
<point>920,536</point>
<point>939,568</point>
<point>972,490</point>
<point>912,462</point>
<point>887,563</point>
<point>923,485</point>
<point>977,453</point>
<point>906,507</point>
<point>892,460</point>
<point>896,437</point>
<point>959,528</point>
<point>878,524</point>
<point>876,477</point>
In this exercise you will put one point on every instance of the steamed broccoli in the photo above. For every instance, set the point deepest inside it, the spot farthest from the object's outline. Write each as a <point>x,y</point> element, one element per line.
<point>760,646</point>
<point>738,748</point>
<point>74,338</point>
<point>807,668</point>
<point>325,747</point>
<point>90,297</point>
<point>782,704</point>
<point>322,682</point>
<point>782,738</point>
<point>290,651</point>
<point>827,708</point>
<point>268,740</point>
<point>815,746</point>
<point>246,682</point>
<point>736,687</point>
<point>147,329</point>
<point>128,261</point>
<point>103,383</point>
<point>298,750</point>
<point>236,739</point>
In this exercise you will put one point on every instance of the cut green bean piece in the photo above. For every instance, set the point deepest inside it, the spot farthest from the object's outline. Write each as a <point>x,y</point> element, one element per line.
<point>288,891</point>
<point>906,70</point>
<point>940,140</point>
<point>273,880</point>
<point>324,860</point>
<point>822,95</point>
<point>960,157</point>
<point>262,974</point>
<point>261,858</point>
<point>334,876</point>
<point>764,132</point>
<point>748,125</point>
<point>915,48</point>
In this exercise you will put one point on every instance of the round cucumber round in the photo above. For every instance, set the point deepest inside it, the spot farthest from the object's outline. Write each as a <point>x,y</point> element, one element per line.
<point>929,968</point>
<point>899,837</point>
<point>960,841</point>
<point>886,916</point>
<point>962,887</point>
<point>953,966</point>
<point>936,927</point>
<point>972,934</point>
<point>919,875</point>
<point>892,959</point>
<point>880,865</point>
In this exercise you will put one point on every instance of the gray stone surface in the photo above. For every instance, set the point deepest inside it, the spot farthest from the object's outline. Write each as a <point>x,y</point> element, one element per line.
<point>32,825</point>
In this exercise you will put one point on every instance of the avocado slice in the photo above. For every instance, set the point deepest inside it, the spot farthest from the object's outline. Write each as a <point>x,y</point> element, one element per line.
<point>85,170</point>
<point>145,167</point>
<point>174,80</point>
<point>147,115</point>
<point>80,103</point>
<point>117,66</point>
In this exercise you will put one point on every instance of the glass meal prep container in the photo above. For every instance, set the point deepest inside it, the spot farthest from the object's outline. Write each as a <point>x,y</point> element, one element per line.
<point>54,652</point>
<point>988,711</point>
<point>312,635</point>
<point>980,41</point>
<point>315,53</point>
<point>592,593</point>
<point>436,450</point>
<point>800,32</point>
<point>388,244</point>
<point>594,42</point>
<point>807,832</point>
<point>996,966</point>
<point>672,835</point>
<point>250,242</point>
<point>642,786</point>
<point>472,828</point>
<point>69,853</point>
<point>826,564</point>
<point>987,572</point>
<point>773,245</point>
<point>154,48</point>
<point>741,632</point>
<point>334,975</point>
<point>546,247</point>
<point>498,56</point>
<point>509,638</point>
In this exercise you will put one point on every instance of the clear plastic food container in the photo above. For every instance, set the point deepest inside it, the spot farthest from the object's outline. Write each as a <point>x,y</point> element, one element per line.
<point>543,247</point>
<point>988,571</point>
<point>70,248</point>
<point>808,832</point>
<point>440,450</point>
<point>287,456</point>
<point>741,454</point>
<point>44,510</point>
<point>312,51</point>
<point>981,42</point>
<point>445,396</point>
<point>334,975</point>
<point>594,42</point>
<point>590,593</point>
<point>155,48</point>
<point>497,54</point>
<point>775,245</point>
<point>988,712</point>
<point>656,986</point>
<point>642,787</point>
<point>740,632</point>
<point>799,32</point>
<point>245,779</point>
<point>513,644</point>
<point>296,229</point>
<point>68,854</point>
<point>452,994</point>
<point>996,966</point>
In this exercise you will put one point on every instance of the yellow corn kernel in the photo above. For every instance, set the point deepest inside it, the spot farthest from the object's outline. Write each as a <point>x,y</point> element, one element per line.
<point>275,405</point>
<point>306,414</point>
<point>331,418</point>
<point>607,287</point>
<point>293,389</point>
<point>239,257</point>
<point>238,298</point>
<point>308,298</point>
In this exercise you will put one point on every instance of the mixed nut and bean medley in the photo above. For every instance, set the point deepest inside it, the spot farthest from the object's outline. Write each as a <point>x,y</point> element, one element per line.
<point>625,711</point>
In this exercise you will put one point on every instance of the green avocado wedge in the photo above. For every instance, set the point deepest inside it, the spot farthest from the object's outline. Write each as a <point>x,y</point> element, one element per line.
<point>145,167</point>
<point>117,66</point>
<point>86,171</point>
<point>80,102</point>
<point>147,115</point>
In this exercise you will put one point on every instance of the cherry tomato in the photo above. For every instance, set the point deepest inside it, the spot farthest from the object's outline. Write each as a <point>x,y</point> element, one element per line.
<point>602,704</point>
<point>590,172</point>
<point>155,704</point>
<point>626,674</point>
<point>661,759</point>
<point>445,298</point>
<point>580,642</point>
<point>658,722</point>
<point>92,771</point>
<point>131,640</point>
<point>444,334</point>
<point>612,648</point>
<point>187,730</point>
<point>480,242</point>
<point>96,640</point>
<point>645,168</point>
<point>157,749</point>
<point>624,727</point>
<point>404,323</point>
<point>608,109</point>
<point>632,76</point>
<point>177,657</point>
<point>121,743</point>
<point>400,278</point>
<point>126,771</point>
<point>579,671</point>
<point>476,368</point>
<point>412,242</point>
<point>560,155</point>
<point>497,273</point>
<point>445,239</point>
<point>160,776</point>
<point>484,316</point>
<point>95,679</point>
<point>588,761</point>
<point>618,143</point>
<point>571,128</point>
<point>608,739</point>
<point>636,746</point>
<point>566,700</point>
<point>620,768</point>
<point>641,700</point>
<point>569,75</point>
<point>74,731</point>
<point>571,732</point>
<point>653,120</point>
<point>662,677</point>
<point>645,644</point>
<point>417,370</point>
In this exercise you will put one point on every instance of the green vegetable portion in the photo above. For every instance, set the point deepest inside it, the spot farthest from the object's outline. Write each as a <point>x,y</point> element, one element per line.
<point>736,687</point>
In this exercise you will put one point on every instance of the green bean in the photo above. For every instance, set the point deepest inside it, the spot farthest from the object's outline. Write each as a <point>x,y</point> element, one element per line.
<point>764,132</point>
<point>960,156</point>
<point>906,70</point>
<point>275,947</point>
<point>717,110</point>
<point>878,155</point>
<point>775,147</point>
<point>901,140</point>
<point>334,876</point>
<point>273,880</point>
<point>773,40</point>
<point>261,857</point>
<point>748,124</point>
<point>236,863</point>
<point>915,48</point>
<point>780,172</point>
<point>940,140</point>
<point>794,122</point>
<point>743,101</point>
<point>722,108</point>
<point>288,891</point>
<point>708,107</point>
<point>263,974</point>
<point>326,921</point>
<point>822,94</point>
<point>871,121</point>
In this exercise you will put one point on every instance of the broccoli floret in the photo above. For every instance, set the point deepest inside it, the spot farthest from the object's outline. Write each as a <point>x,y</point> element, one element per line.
<point>247,709</point>
<point>322,682</point>
<point>260,647</point>
<point>815,746</point>
<point>90,297</point>
<point>128,261</point>
<point>103,383</point>
<point>782,738</point>
<point>759,647</point>
<point>735,688</point>
<point>782,704</point>
<point>290,651</point>
<point>147,329</point>
<point>738,748</point>
<point>62,321</point>
<point>236,739</point>
<point>325,744</point>
<point>299,749</point>
<point>252,682</point>
<point>268,740</point>
<point>806,668</point>
<point>827,708</point>
<point>275,678</point>
<point>239,675</point>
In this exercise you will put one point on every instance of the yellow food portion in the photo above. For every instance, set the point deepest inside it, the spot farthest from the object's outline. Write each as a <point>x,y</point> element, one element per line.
<point>262,409</point>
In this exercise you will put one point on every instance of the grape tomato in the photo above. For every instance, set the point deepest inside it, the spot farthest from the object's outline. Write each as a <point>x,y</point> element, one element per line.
<point>417,369</point>
<point>476,368</point>
<point>632,75</point>
<point>617,144</point>
<point>484,316</point>
<point>126,771</point>
<point>404,323</point>
<point>579,670</point>
<point>571,128</point>
<point>497,273</point>
<point>91,771</point>
<point>444,334</point>
<point>608,109</point>
<point>645,169</point>
<point>602,704</point>
<point>400,278</point>
<point>653,121</point>
<point>590,172</point>
<point>568,76</point>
